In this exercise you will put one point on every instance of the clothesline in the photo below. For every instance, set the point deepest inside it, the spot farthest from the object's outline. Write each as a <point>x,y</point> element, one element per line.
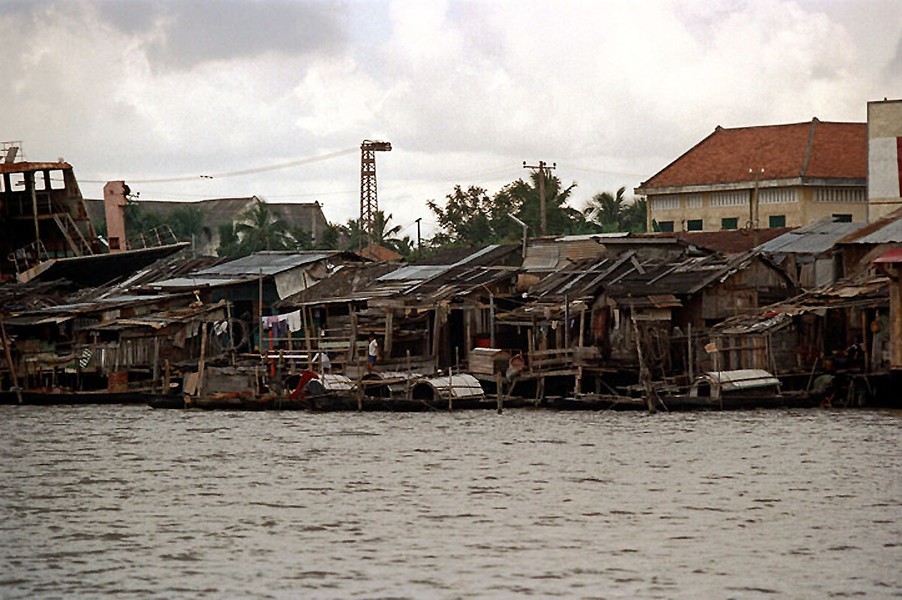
<point>293,319</point>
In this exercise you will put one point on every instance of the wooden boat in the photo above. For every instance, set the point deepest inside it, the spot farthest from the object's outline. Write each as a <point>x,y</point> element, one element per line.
<point>306,390</point>
<point>737,389</point>
<point>50,397</point>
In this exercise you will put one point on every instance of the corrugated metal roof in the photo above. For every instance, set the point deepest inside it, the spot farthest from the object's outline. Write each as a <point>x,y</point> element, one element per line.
<point>541,258</point>
<point>177,283</point>
<point>815,238</point>
<point>268,263</point>
<point>414,273</point>
<point>742,379</point>
<point>890,233</point>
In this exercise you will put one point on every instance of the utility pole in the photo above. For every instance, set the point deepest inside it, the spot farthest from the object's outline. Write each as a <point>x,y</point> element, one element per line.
<point>753,206</point>
<point>419,247</point>
<point>542,167</point>
<point>369,202</point>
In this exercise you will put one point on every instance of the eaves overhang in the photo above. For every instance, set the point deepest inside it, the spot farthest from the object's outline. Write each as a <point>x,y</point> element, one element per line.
<point>750,185</point>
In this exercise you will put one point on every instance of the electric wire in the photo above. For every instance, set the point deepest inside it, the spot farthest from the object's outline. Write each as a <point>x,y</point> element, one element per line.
<point>250,171</point>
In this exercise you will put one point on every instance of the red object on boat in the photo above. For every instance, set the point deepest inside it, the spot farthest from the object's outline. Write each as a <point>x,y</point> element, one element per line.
<point>298,393</point>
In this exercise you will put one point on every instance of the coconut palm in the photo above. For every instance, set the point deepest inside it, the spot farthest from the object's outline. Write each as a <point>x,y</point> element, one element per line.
<point>260,229</point>
<point>606,210</point>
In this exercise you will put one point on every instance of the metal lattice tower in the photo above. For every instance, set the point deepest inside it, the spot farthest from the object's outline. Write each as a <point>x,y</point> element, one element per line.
<point>369,201</point>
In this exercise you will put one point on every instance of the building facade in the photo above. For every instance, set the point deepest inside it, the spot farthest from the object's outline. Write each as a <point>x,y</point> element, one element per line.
<point>884,158</point>
<point>763,177</point>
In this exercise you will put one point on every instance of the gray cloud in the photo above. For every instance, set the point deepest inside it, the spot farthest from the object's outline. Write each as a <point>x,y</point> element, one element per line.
<point>184,33</point>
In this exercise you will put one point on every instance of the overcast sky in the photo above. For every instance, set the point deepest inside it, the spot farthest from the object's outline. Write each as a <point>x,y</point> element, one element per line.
<point>611,92</point>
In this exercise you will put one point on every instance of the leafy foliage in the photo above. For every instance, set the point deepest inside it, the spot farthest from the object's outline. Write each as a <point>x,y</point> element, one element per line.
<point>471,217</point>
<point>611,213</point>
<point>259,229</point>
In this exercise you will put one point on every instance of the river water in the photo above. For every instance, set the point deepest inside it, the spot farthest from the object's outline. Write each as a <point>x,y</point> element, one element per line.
<point>139,503</point>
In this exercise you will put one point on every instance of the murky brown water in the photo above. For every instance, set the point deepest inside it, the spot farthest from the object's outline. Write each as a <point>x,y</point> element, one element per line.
<point>133,502</point>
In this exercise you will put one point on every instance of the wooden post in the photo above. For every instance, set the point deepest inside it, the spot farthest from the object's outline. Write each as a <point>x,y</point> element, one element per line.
<point>690,369</point>
<point>450,389</point>
<point>468,329</point>
<point>436,333</point>
<point>492,319</point>
<point>582,327</point>
<point>201,363</point>
<point>409,392</point>
<point>566,321</point>
<point>352,345</point>
<point>389,328</point>
<point>644,373</point>
<point>156,364</point>
<point>10,363</point>
<point>308,325</point>
<point>260,313</point>
<point>499,396</point>
<point>864,339</point>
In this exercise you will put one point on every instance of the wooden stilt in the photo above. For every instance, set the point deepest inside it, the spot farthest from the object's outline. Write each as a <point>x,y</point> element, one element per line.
<point>10,363</point>
<point>644,373</point>
<point>201,363</point>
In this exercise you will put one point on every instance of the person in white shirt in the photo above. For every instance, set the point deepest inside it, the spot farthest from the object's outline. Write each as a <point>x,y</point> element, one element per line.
<point>372,354</point>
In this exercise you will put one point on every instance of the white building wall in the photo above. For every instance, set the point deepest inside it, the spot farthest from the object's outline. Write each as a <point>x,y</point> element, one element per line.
<point>884,158</point>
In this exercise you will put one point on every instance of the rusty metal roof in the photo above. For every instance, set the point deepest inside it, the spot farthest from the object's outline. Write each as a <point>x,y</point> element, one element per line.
<point>863,291</point>
<point>815,238</point>
<point>28,167</point>
<point>887,230</point>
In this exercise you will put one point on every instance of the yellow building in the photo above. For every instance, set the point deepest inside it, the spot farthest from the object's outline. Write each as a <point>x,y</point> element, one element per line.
<point>761,177</point>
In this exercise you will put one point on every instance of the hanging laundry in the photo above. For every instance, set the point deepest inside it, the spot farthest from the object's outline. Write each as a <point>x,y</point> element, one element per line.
<point>294,321</point>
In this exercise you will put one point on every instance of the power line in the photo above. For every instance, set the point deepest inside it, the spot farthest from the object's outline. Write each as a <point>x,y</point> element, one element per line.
<point>294,163</point>
<point>603,172</point>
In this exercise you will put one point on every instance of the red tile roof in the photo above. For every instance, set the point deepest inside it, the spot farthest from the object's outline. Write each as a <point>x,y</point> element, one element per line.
<point>815,149</point>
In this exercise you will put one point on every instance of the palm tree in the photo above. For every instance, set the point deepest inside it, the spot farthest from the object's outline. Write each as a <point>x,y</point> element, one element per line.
<point>606,210</point>
<point>261,230</point>
<point>382,233</point>
<point>523,200</point>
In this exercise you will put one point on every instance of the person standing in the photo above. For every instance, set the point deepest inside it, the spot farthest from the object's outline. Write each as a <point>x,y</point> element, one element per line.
<point>372,353</point>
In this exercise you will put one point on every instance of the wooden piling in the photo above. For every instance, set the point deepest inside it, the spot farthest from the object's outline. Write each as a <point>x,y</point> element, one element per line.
<point>201,363</point>
<point>644,373</point>
<point>10,363</point>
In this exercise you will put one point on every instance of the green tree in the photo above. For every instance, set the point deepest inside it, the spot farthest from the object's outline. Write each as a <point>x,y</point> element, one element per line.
<point>187,223</point>
<point>468,217</point>
<point>612,212</point>
<point>635,215</point>
<point>300,238</point>
<point>524,201</point>
<point>139,220</point>
<point>605,210</point>
<point>384,234</point>
<point>351,236</point>
<point>229,242</point>
<point>330,237</point>
<point>259,229</point>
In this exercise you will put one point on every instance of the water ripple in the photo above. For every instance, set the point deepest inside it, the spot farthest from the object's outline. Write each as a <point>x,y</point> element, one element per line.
<point>135,503</point>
